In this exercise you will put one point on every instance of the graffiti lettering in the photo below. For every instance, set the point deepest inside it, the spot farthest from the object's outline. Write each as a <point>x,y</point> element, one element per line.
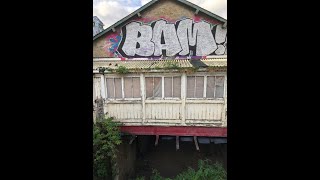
<point>165,39</point>
<point>138,40</point>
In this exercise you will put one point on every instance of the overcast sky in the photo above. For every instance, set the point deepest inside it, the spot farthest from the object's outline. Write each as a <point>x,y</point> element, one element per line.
<point>111,11</point>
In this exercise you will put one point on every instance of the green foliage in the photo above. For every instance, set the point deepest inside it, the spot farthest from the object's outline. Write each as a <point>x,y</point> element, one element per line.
<point>140,178</point>
<point>171,65</point>
<point>103,69</point>
<point>122,70</point>
<point>156,176</point>
<point>205,171</point>
<point>106,137</point>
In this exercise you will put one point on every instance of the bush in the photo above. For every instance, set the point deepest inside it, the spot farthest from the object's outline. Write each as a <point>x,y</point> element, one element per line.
<point>122,70</point>
<point>206,171</point>
<point>106,137</point>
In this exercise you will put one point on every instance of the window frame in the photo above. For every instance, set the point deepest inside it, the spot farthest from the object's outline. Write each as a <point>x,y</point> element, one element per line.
<point>163,76</point>
<point>162,87</point>
<point>172,76</point>
<point>205,76</point>
<point>122,87</point>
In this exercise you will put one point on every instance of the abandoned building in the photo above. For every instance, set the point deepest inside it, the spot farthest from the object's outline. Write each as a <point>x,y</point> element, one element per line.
<point>162,71</point>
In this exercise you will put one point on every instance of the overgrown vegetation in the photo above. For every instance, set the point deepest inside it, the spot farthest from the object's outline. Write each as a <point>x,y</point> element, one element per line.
<point>106,138</point>
<point>103,69</point>
<point>190,70</point>
<point>122,70</point>
<point>206,171</point>
<point>171,65</point>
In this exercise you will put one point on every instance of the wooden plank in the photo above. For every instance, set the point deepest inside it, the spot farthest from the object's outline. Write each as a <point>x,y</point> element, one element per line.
<point>200,111</point>
<point>164,101</point>
<point>204,101</point>
<point>166,112</point>
<point>148,111</point>
<point>203,121</point>
<point>163,120</point>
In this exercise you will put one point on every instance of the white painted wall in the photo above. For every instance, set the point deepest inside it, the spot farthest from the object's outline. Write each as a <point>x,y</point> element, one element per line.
<point>165,112</point>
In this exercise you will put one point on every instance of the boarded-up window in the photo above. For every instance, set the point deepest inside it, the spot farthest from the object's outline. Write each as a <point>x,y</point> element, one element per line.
<point>172,87</point>
<point>114,88</point>
<point>210,87</point>
<point>195,86</point>
<point>153,87</point>
<point>215,86</point>
<point>118,87</point>
<point>131,87</point>
<point>219,87</point>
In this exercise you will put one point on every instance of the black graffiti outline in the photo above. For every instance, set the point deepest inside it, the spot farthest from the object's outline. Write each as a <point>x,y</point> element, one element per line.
<point>213,31</point>
<point>176,25</point>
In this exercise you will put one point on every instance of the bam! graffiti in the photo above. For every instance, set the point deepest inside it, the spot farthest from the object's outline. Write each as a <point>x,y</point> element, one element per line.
<point>184,38</point>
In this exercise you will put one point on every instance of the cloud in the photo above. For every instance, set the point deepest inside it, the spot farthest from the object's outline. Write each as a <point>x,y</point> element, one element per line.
<point>143,2</point>
<point>218,7</point>
<point>111,11</point>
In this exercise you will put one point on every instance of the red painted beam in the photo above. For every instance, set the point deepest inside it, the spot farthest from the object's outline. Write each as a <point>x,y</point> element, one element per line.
<point>175,130</point>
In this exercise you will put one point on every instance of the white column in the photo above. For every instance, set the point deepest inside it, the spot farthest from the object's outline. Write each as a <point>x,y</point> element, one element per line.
<point>103,87</point>
<point>162,85</point>
<point>122,87</point>
<point>183,98</point>
<point>143,97</point>
<point>224,110</point>
<point>205,86</point>
<point>103,91</point>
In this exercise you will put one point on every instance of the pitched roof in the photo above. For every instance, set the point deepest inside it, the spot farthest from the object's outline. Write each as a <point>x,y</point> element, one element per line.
<point>149,4</point>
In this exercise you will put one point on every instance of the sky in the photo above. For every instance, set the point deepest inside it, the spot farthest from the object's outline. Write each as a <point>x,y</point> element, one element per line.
<point>111,11</point>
